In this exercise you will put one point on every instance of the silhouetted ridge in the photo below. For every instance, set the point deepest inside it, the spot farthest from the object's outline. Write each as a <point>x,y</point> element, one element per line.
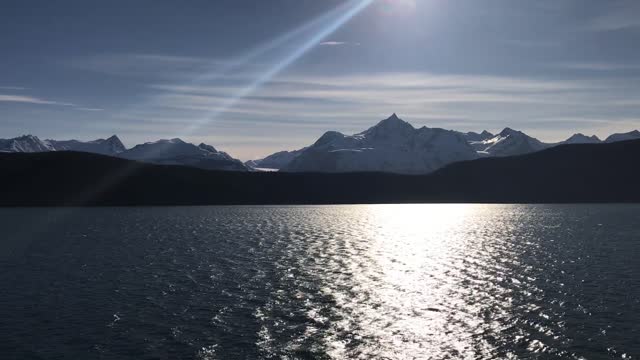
<point>566,173</point>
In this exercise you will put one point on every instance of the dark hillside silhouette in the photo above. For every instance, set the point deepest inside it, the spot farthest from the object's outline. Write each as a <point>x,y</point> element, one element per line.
<point>567,173</point>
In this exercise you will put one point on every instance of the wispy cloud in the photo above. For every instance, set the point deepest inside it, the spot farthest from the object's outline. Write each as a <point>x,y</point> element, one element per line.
<point>12,88</point>
<point>295,109</point>
<point>89,109</point>
<point>39,101</point>
<point>601,66</point>
<point>352,102</point>
<point>31,100</point>
<point>339,43</point>
<point>145,65</point>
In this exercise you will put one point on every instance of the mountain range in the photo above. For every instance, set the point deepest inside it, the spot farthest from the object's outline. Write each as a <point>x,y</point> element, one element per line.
<point>573,173</point>
<point>393,145</point>
<point>168,152</point>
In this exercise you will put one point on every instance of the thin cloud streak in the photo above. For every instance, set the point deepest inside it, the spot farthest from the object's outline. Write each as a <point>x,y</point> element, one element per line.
<point>338,43</point>
<point>353,102</point>
<point>31,100</point>
<point>38,101</point>
<point>12,88</point>
<point>599,66</point>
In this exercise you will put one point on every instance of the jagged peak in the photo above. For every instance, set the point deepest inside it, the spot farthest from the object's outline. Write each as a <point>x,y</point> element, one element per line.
<point>393,119</point>
<point>581,135</point>
<point>27,137</point>
<point>391,123</point>
<point>509,131</point>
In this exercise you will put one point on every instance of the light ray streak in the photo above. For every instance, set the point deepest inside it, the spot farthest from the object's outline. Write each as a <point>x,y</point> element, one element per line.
<point>106,184</point>
<point>216,72</point>
<point>354,8</point>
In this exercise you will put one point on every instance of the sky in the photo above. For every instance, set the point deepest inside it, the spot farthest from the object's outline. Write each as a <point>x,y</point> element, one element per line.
<point>252,77</point>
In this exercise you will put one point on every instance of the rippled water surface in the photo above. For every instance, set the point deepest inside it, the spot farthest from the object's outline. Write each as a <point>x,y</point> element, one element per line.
<point>334,282</point>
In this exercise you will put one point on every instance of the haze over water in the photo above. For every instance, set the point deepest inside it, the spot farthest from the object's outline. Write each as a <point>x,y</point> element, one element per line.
<point>381,281</point>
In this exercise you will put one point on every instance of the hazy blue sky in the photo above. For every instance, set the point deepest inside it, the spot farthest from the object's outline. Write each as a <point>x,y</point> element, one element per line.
<point>253,77</point>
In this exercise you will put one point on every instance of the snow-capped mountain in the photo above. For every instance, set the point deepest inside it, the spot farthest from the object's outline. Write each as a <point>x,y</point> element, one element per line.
<point>632,135</point>
<point>275,161</point>
<point>175,151</point>
<point>392,145</point>
<point>178,152</point>
<point>111,146</point>
<point>30,143</point>
<point>25,143</point>
<point>507,143</point>
<point>582,139</point>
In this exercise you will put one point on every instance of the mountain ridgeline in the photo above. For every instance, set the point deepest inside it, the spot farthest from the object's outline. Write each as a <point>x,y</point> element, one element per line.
<point>606,172</point>
<point>393,145</point>
<point>169,152</point>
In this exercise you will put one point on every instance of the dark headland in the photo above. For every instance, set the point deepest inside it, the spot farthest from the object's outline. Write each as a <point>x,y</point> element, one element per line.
<point>563,174</point>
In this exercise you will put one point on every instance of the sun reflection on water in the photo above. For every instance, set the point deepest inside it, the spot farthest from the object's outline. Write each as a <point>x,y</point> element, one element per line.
<point>323,282</point>
<point>421,281</point>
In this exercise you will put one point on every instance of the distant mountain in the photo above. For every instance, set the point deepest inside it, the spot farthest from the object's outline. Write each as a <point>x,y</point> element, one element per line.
<point>582,139</point>
<point>178,152</point>
<point>174,152</point>
<point>276,161</point>
<point>111,146</point>
<point>632,135</point>
<point>473,136</point>
<point>29,143</point>
<point>25,143</point>
<point>508,142</point>
<point>562,174</point>
<point>392,145</point>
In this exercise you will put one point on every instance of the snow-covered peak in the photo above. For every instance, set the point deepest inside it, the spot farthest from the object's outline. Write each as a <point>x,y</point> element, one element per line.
<point>178,152</point>
<point>276,160</point>
<point>110,146</point>
<point>508,142</point>
<point>389,127</point>
<point>25,143</point>
<point>165,142</point>
<point>392,145</point>
<point>163,148</point>
<point>509,131</point>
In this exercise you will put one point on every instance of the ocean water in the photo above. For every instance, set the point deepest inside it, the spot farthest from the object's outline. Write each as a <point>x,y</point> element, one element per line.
<point>321,282</point>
